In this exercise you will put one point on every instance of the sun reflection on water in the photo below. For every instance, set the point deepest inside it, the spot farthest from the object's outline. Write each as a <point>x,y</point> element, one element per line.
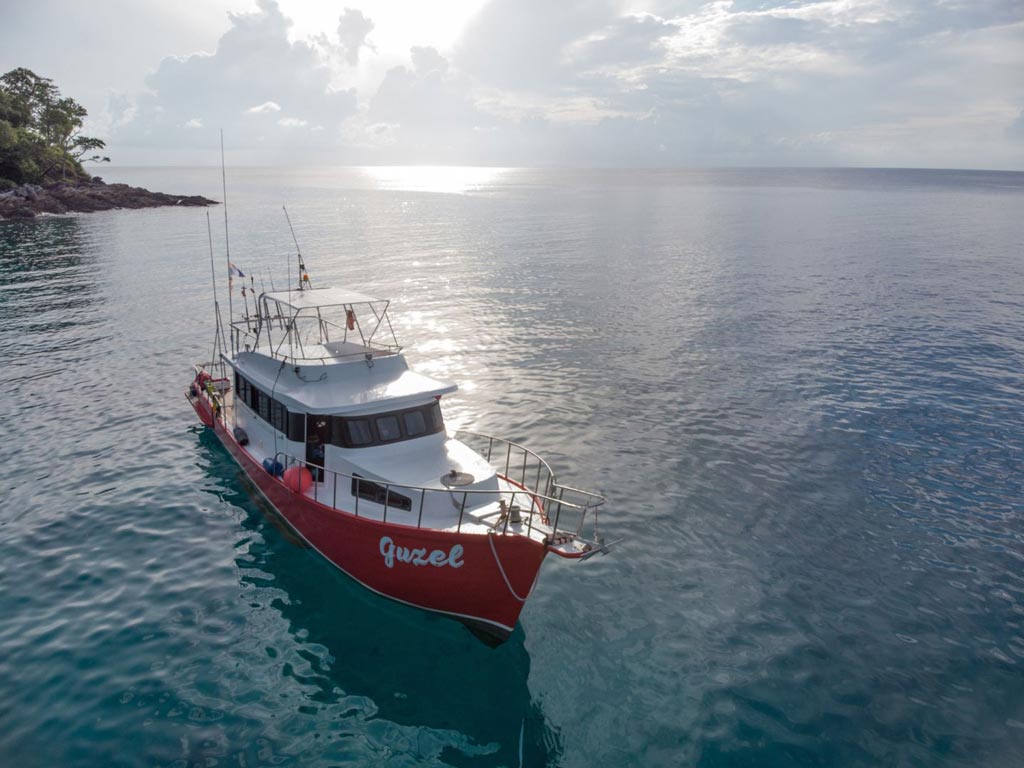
<point>446,179</point>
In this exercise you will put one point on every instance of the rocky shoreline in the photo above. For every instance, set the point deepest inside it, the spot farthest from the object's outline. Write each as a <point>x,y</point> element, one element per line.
<point>85,196</point>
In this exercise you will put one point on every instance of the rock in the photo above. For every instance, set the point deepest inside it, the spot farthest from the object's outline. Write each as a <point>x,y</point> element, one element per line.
<point>85,196</point>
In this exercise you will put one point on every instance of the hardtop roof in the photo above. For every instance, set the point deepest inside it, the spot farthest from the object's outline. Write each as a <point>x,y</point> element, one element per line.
<point>311,298</point>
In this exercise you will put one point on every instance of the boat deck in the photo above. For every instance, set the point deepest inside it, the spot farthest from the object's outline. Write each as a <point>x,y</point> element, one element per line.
<point>476,517</point>
<point>451,509</point>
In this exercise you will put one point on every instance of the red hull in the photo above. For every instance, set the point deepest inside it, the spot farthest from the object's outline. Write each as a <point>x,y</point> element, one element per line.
<point>451,573</point>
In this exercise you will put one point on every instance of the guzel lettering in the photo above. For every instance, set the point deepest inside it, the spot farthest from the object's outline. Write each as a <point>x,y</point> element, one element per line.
<point>438,558</point>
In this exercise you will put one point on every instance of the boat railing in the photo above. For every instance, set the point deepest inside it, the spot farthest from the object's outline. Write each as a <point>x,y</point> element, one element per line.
<point>563,511</point>
<point>518,465</point>
<point>245,337</point>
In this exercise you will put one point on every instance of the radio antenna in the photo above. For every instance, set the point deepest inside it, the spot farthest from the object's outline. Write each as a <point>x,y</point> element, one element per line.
<point>219,333</point>
<point>303,275</point>
<point>227,245</point>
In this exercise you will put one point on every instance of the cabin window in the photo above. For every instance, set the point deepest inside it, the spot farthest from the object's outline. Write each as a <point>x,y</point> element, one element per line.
<point>272,411</point>
<point>436,419</point>
<point>388,428</point>
<point>278,416</point>
<point>296,427</point>
<point>371,491</point>
<point>241,387</point>
<point>415,423</point>
<point>358,432</point>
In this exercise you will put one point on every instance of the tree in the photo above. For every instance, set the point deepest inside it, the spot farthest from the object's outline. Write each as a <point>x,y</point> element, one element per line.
<point>41,131</point>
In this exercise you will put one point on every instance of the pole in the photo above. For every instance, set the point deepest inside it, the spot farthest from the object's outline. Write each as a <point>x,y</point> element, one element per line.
<point>213,278</point>
<point>303,277</point>
<point>227,245</point>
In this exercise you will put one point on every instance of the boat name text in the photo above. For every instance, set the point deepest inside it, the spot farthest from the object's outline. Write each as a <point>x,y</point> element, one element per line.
<point>419,556</point>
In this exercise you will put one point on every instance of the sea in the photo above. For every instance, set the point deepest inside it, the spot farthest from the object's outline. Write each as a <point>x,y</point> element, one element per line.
<point>800,391</point>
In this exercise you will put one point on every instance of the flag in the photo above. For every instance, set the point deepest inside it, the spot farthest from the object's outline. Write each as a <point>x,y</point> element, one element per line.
<point>234,271</point>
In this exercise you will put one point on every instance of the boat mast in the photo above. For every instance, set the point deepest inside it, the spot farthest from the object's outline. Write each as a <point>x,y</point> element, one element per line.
<point>227,244</point>
<point>218,334</point>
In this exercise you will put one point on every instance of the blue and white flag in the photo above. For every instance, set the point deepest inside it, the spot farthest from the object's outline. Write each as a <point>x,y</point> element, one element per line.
<point>234,271</point>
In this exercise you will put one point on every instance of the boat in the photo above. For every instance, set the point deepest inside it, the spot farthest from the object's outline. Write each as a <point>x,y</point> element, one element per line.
<point>316,402</point>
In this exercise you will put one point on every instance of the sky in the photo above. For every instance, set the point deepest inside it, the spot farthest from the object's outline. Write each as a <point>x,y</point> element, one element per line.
<point>594,83</point>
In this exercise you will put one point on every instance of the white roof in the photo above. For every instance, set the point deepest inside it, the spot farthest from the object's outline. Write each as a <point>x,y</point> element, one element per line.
<point>341,387</point>
<point>312,298</point>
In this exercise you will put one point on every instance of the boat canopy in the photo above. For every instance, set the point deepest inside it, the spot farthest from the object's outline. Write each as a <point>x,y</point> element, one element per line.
<point>319,298</point>
<point>316,324</point>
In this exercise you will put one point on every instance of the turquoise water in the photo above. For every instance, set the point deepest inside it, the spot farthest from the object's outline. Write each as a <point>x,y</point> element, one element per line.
<point>800,391</point>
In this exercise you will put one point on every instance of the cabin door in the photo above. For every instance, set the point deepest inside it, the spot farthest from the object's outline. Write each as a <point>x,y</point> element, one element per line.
<point>316,440</point>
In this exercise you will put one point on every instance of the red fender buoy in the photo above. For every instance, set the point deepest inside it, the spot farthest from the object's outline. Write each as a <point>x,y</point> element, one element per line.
<point>298,479</point>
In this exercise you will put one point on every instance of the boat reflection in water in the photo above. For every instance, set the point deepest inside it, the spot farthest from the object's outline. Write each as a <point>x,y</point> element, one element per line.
<point>377,669</point>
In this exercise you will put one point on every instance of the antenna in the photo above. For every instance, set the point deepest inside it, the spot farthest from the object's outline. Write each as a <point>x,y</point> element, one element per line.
<point>227,244</point>
<point>213,278</point>
<point>303,275</point>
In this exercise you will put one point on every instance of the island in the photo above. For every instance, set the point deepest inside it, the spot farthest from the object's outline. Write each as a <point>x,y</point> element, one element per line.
<point>43,152</point>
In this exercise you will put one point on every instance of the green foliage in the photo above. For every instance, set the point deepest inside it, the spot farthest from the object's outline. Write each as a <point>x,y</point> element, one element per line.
<point>40,131</point>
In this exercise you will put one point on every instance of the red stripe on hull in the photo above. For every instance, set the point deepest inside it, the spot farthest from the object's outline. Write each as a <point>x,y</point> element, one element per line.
<point>475,590</point>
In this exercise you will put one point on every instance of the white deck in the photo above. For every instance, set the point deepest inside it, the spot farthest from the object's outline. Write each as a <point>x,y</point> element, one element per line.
<point>478,520</point>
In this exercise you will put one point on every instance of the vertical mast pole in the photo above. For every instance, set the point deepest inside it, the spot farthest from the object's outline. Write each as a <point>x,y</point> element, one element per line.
<point>227,245</point>
<point>213,278</point>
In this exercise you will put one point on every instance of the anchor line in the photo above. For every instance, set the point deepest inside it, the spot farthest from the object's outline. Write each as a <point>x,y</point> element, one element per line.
<point>501,569</point>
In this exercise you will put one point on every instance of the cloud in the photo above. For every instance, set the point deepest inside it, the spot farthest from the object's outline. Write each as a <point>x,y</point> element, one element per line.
<point>259,86</point>
<point>758,82</point>
<point>627,40</point>
<point>265,107</point>
<point>353,29</point>
<point>1016,129</point>
<point>583,82</point>
<point>521,44</point>
<point>426,113</point>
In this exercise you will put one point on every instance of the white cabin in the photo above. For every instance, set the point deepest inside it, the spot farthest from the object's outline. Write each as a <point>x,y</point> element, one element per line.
<point>318,375</point>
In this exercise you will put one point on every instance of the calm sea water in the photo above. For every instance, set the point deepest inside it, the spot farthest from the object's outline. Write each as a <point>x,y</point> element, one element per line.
<point>800,391</point>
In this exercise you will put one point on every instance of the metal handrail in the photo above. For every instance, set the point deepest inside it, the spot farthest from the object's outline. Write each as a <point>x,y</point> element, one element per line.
<point>552,488</point>
<point>538,504</point>
<point>243,335</point>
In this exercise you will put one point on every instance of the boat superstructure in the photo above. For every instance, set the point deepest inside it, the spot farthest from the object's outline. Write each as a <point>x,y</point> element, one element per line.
<point>318,405</point>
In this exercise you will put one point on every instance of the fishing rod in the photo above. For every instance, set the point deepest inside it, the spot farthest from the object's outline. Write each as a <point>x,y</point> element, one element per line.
<point>303,275</point>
